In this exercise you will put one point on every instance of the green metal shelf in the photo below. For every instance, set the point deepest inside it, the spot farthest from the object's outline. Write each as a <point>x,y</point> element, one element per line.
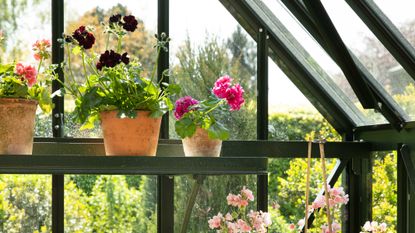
<point>81,164</point>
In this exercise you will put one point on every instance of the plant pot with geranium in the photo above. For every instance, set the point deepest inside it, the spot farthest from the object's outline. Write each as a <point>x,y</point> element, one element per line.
<point>117,91</point>
<point>22,88</point>
<point>196,124</point>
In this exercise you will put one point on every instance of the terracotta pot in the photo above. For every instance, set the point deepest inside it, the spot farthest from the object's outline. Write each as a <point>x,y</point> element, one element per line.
<point>17,122</point>
<point>200,145</point>
<point>126,136</point>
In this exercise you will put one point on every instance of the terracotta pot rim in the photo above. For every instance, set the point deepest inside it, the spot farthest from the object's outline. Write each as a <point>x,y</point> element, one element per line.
<point>145,112</point>
<point>4,100</point>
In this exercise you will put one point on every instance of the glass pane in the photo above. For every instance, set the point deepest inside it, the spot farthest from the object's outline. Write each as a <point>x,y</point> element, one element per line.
<point>401,14</point>
<point>291,115</point>
<point>373,54</point>
<point>25,203</point>
<point>139,43</point>
<point>18,48</point>
<point>322,58</point>
<point>286,195</point>
<point>204,48</point>
<point>110,203</point>
<point>384,174</point>
<point>210,199</point>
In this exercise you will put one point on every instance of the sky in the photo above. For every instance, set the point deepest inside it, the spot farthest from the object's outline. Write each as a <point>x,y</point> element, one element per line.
<point>198,18</point>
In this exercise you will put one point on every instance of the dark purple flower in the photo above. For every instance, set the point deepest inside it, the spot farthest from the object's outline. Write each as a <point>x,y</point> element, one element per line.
<point>99,66</point>
<point>130,23</point>
<point>108,59</point>
<point>125,58</point>
<point>84,38</point>
<point>115,19</point>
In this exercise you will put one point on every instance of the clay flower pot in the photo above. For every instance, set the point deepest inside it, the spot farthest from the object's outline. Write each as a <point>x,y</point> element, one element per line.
<point>17,121</point>
<point>200,145</point>
<point>126,136</point>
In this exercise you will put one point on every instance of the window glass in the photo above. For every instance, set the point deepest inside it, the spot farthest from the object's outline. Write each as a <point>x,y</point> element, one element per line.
<point>139,43</point>
<point>205,47</point>
<point>319,55</point>
<point>286,195</point>
<point>25,203</point>
<point>110,203</point>
<point>370,51</point>
<point>401,14</point>
<point>210,199</point>
<point>19,18</point>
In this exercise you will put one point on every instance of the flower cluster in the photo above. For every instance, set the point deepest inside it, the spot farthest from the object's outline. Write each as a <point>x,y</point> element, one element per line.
<point>335,227</point>
<point>26,72</point>
<point>337,196</point>
<point>111,59</point>
<point>182,106</point>
<point>374,227</point>
<point>191,113</point>
<point>41,49</point>
<point>85,38</point>
<point>233,94</point>
<point>240,221</point>
<point>128,22</point>
<point>240,200</point>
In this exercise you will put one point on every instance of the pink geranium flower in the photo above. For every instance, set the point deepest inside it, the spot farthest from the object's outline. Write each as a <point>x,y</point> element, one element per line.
<point>221,86</point>
<point>182,106</point>
<point>41,49</point>
<point>28,72</point>
<point>216,221</point>
<point>247,194</point>
<point>233,94</point>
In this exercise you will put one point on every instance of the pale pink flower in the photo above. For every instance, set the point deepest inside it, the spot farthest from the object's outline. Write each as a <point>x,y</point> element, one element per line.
<point>383,227</point>
<point>232,227</point>
<point>243,226</point>
<point>291,227</point>
<point>233,199</point>
<point>215,221</point>
<point>367,226</point>
<point>320,202</point>
<point>228,217</point>
<point>41,49</point>
<point>247,194</point>
<point>335,227</point>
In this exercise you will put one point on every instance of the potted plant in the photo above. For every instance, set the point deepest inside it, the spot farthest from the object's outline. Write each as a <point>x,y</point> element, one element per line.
<point>196,124</point>
<point>116,90</point>
<point>22,88</point>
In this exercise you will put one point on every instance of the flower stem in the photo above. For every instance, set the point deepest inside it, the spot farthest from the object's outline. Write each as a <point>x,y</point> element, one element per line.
<point>215,106</point>
<point>84,67</point>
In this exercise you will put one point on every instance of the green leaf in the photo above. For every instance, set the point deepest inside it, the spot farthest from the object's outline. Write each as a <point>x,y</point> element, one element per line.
<point>173,89</point>
<point>185,127</point>
<point>218,131</point>
<point>90,122</point>
<point>6,68</point>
